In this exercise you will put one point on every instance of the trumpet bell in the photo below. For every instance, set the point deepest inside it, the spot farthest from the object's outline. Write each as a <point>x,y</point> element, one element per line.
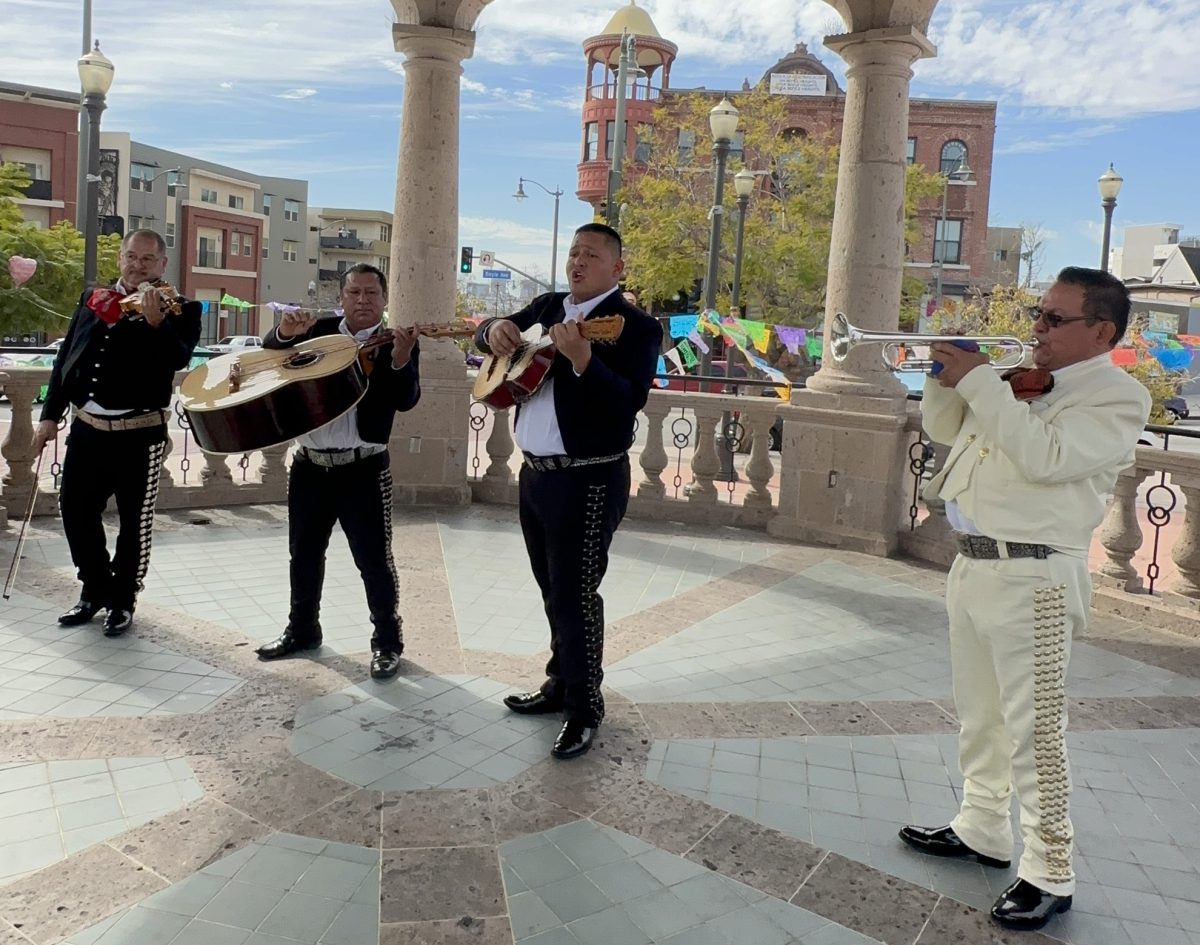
<point>897,346</point>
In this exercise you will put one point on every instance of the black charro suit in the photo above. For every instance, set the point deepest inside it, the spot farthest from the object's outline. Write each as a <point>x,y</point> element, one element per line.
<point>569,516</point>
<point>356,495</point>
<point>127,366</point>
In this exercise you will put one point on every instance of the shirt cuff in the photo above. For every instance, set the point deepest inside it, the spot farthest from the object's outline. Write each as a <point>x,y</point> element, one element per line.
<point>402,366</point>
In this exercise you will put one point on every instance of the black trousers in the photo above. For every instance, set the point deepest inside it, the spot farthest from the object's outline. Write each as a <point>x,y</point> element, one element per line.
<point>568,518</point>
<point>98,466</point>
<point>358,496</point>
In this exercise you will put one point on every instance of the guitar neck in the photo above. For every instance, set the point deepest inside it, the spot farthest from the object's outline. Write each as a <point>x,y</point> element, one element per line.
<point>429,331</point>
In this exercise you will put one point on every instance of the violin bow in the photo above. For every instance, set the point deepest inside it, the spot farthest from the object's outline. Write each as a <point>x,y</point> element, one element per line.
<point>33,492</point>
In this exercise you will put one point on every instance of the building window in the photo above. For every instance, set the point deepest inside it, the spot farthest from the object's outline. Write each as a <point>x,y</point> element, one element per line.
<point>610,134</point>
<point>208,253</point>
<point>951,251</point>
<point>687,145</point>
<point>291,210</point>
<point>266,205</point>
<point>141,177</point>
<point>247,245</point>
<point>737,147</point>
<point>383,264</point>
<point>1000,255</point>
<point>641,147</point>
<point>910,153</point>
<point>266,251</point>
<point>311,261</point>
<point>235,244</point>
<point>169,235</point>
<point>385,232</point>
<point>136,222</point>
<point>591,141</point>
<point>954,153</point>
<point>289,249</point>
<point>172,182</point>
<point>208,196</point>
<point>236,202</point>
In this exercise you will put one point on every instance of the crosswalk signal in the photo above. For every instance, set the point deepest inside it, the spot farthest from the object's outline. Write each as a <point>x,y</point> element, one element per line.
<point>468,254</point>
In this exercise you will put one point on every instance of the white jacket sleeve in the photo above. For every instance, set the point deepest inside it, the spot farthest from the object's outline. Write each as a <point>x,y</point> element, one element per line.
<point>942,412</point>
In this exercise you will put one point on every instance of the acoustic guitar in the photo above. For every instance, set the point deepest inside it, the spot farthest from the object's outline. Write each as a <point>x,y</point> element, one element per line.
<point>505,381</point>
<point>250,400</point>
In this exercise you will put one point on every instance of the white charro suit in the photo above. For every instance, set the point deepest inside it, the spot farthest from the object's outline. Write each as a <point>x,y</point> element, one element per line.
<point>1039,472</point>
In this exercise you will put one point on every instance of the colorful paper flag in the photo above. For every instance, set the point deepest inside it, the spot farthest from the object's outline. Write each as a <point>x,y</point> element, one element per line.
<point>759,333</point>
<point>791,337</point>
<point>814,346</point>
<point>683,325</point>
<point>661,369</point>
<point>674,357</point>
<point>689,356</point>
<point>696,339</point>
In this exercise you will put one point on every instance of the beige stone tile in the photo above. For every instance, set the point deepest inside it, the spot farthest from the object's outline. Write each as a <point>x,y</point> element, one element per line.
<point>913,718</point>
<point>764,719</point>
<point>10,936</point>
<point>464,931</point>
<point>353,818</point>
<point>686,720</point>
<point>518,811</point>
<point>661,817</point>
<point>758,856</point>
<point>441,883</point>
<point>1118,713</point>
<point>46,739</point>
<point>582,785</point>
<point>76,893</point>
<point>1184,710</point>
<point>438,819</point>
<point>178,844</point>
<point>277,790</point>
<point>953,921</point>
<point>841,718</point>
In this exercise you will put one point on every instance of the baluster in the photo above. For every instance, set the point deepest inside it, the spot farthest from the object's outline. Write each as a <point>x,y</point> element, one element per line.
<point>165,477</point>
<point>705,463</point>
<point>500,447</point>
<point>925,456</point>
<point>273,470</point>
<point>216,469</point>
<point>760,468</point>
<point>1121,533</point>
<point>1186,553</point>
<point>654,457</point>
<point>21,388</point>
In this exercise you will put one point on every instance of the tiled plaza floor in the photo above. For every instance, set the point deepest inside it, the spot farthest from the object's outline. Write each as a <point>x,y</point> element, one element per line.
<point>776,711</point>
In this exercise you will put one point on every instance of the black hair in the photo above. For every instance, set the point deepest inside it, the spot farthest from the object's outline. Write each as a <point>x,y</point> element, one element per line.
<point>605,230</point>
<point>1104,296</point>
<point>363,267</point>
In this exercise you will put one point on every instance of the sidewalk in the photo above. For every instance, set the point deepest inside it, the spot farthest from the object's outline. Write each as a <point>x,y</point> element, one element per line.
<point>775,713</point>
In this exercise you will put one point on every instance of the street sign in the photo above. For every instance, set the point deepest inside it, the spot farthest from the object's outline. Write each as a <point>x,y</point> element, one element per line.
<point>486,259</point>
<point>497,274</point>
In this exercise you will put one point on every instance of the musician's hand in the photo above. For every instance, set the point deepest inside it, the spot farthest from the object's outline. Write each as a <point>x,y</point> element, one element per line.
<point>503,337</point>
<point>43,433</point>
<point>403,341</point>
<point>152,304</point>
<point>956,363</point>
<point>568,338</point>
<point>295,323</point>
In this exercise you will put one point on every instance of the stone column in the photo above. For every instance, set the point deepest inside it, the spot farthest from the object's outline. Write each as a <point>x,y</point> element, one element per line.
<point>429,448</point>
<point>844,435</point>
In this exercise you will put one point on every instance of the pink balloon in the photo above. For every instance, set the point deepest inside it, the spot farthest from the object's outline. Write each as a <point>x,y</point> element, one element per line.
<point>21,268</point>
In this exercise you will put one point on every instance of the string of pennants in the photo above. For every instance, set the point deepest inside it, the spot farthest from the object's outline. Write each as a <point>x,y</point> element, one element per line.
<point>751,338</point>
<point>1173,353</point>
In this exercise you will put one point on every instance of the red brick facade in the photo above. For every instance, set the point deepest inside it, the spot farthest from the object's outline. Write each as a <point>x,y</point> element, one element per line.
<point>241,277</point>
<point>28,123</point>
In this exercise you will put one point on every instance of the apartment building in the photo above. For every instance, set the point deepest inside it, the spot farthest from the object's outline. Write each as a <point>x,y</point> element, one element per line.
<point>341,237</point>
<point>39,129</point>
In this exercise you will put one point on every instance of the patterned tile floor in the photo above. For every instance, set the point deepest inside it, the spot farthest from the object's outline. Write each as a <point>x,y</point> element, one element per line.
<point>49,810</point>
<point>775,712</point>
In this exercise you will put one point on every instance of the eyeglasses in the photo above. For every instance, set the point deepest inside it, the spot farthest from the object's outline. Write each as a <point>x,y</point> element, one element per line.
<point>1054,321</point>
<point>144,260</point>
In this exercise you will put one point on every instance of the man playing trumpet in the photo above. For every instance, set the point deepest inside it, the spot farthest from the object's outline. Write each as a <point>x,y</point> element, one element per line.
<point>1025,484</point>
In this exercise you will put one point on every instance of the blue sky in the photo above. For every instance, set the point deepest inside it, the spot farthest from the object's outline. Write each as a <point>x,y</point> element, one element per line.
<point>313,89</point>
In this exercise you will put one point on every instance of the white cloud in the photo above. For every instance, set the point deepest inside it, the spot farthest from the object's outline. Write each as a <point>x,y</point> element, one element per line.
<point>225,86</point>
<point>297,94</point>
<point>1054,141</point>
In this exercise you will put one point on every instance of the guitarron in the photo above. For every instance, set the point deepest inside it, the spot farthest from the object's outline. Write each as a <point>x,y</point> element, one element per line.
<point>503,382</point>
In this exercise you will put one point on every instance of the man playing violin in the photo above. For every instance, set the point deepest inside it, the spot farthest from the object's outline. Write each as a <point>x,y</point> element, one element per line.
<point>116,367</point>
<point>341,474</point>
<point>575,432</point>
<point>1025,484</point>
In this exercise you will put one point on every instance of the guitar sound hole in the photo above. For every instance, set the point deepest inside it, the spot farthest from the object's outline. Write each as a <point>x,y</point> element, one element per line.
<point>303,359</point>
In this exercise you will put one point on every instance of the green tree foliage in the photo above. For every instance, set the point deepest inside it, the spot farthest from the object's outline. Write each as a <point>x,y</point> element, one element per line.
<point>666,204</point>
<point>46,301</point>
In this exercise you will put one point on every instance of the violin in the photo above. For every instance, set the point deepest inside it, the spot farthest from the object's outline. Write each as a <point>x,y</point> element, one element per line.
<point>173,301</point>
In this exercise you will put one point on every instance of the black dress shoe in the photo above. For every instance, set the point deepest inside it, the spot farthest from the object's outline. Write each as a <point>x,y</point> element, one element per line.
<point>81,613</point>
<point>385,664</point>
<point>287,644</point>
<point>533,703</point>
<point>1024,907</point>
<point>943,841</point>
<point>118,621</point>
<point>574,738</point>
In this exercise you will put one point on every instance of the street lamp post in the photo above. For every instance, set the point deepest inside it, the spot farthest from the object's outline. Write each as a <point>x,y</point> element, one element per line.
<point>627,68</point>
<point>960,174</point>
<point>1110,185</point>
<point>95,77</point>
<point>723,120</point>
<point>556,194</point>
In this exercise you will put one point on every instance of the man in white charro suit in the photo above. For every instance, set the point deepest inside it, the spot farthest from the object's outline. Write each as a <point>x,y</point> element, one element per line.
<point>1026,483</point>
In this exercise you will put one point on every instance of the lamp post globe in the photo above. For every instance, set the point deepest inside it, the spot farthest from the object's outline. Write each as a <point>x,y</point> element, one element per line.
<point>1110,185</point>
<point>96,73</point>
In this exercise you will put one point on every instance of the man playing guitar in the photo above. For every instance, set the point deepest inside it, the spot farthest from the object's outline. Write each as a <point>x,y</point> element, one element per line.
<point>575,432</point>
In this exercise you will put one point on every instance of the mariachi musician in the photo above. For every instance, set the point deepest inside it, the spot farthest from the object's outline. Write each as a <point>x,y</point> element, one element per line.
<point>116,367</point>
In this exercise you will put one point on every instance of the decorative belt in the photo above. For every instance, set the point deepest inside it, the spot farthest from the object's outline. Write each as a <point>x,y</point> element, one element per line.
<point>143,421</point>
<point>554,463</point>
<point>340,457</point>
<point>980,546</point>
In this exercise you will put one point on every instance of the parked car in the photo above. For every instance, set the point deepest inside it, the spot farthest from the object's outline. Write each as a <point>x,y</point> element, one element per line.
<point>236,343</point>
<point>1176,408</point>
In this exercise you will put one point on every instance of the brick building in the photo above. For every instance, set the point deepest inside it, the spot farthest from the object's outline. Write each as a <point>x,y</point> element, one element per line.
<point>39,129</point>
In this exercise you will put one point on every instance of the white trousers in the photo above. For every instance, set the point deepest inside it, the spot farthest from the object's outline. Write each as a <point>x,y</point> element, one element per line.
<point>1011,623</point>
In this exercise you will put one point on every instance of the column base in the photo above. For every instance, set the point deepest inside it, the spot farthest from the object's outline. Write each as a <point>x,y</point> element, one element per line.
<point>844,471</point>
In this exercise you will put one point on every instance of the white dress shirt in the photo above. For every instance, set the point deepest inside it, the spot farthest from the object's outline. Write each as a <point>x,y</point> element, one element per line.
<point>342,433</point>
<point>537,430</point>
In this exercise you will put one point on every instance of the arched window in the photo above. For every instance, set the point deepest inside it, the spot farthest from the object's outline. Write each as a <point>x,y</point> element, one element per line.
<point>954,153</point>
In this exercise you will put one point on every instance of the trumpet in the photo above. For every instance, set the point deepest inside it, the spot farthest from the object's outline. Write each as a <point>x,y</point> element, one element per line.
<point>844,338</point>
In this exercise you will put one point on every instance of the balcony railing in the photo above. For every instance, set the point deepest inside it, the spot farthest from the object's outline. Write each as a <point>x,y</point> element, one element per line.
<point>344,242</point>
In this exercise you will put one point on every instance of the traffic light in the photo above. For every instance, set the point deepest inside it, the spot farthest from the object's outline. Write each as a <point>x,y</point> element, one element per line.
<point>468,255</point>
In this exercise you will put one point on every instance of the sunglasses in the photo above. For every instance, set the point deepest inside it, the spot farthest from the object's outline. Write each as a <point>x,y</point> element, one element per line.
<point>1054,321</point>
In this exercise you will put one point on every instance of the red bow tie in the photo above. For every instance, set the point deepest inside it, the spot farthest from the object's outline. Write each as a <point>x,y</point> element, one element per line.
<point>1028,383</point>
